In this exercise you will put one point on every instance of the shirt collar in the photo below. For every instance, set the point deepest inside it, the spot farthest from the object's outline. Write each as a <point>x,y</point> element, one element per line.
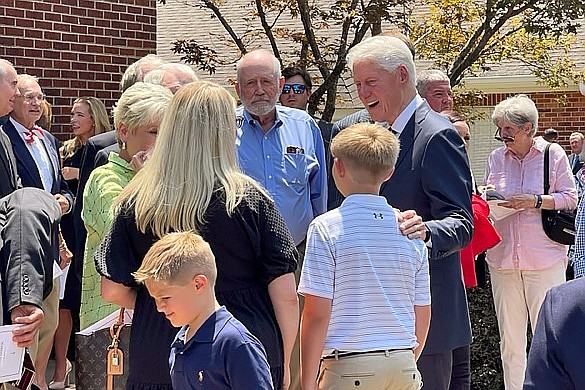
<point>207,332</point>
<point>539,145</point>
<point>22,130</point>
<point>250,120</point>
<point>402,120</point>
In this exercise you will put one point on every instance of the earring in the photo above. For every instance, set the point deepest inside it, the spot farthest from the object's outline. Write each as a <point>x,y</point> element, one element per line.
<point>123,145</point>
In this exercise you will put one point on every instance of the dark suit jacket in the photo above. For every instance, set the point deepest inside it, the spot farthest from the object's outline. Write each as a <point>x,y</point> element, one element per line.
<point>27,168</point>
<point>23,257</point>
<point>576,163</point>
<point>557,353</point>
<point>357,117</point>
<point>432,176</point>
<point>9,180</point>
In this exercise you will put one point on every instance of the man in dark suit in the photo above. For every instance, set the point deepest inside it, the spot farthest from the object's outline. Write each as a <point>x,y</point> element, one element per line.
<point>38,165</point>
<point>28,217</point>
<point>555,360</point>
<point>576,142</point>
<point>432,176</point>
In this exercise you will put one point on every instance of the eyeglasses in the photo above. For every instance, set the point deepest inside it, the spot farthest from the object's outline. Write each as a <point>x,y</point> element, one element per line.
<point>297,88</point>
<point>31,98</point>
<point>498,137</point>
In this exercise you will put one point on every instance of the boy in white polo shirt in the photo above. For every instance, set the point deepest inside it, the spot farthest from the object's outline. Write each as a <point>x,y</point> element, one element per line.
<point>366,286</point>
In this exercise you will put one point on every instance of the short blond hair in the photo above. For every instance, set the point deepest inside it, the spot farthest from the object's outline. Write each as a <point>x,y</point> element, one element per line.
<point>176,259</point>
<point>368,147</point>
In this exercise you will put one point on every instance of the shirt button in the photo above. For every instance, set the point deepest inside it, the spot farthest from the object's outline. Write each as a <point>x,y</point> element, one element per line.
<point>270,176</point>
<point>268,156</point>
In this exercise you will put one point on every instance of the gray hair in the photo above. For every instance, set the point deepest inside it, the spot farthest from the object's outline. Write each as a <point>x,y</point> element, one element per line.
<point>518,110</point>
<point>135,71</point>
<point>387,52</point>
<point>141,104</point>
<point>156,75</point>
<point>425,77</point>
<point>258,52</point>
<point>4,64</point>
<point>577,134</point>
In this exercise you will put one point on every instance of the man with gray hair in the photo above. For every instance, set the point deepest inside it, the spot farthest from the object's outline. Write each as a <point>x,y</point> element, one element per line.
<point>172,76</point>
<point>432,176</point>
<point>28,220</point>
<point>282,149</point>
<point>138,69</point>
<point>435,87</point>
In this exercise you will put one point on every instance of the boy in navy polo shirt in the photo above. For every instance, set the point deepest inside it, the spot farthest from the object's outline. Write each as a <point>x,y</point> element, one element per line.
<point>213,350</point>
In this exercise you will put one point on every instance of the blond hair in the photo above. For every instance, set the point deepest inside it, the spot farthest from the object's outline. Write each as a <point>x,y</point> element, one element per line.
<point>368,147</point>
<point>176,259</point>
<point>141,104</point>
<point>101,122</point>
<point>194,156</point>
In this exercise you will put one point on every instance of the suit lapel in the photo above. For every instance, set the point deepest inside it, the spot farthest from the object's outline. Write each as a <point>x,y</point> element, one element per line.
<point>22,155</point>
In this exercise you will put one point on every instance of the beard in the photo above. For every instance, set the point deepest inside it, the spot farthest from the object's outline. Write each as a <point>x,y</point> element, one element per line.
<point>260,108</point>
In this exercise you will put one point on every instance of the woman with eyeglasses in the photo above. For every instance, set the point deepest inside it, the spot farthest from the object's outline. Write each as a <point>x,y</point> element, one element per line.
<point>526,263</point>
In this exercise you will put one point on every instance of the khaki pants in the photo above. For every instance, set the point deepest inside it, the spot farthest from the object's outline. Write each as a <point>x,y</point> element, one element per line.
<point>518,295</point>
<point>391,370</point>
<point>44,337</point>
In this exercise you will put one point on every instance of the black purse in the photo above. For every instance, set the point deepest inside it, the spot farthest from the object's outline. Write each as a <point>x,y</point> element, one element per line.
<point>559,225</point>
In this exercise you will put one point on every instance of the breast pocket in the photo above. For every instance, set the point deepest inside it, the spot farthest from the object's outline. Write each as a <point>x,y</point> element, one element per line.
<point>296,172</point>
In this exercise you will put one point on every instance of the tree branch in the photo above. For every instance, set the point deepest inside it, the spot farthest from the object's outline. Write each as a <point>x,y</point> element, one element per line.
<point>209,4</point>
<point>268,30</point>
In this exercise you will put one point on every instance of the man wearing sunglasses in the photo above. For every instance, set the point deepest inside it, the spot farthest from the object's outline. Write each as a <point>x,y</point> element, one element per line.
<point>296,92</point>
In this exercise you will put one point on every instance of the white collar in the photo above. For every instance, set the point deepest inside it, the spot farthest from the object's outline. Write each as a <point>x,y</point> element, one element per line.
<point>402,120</point>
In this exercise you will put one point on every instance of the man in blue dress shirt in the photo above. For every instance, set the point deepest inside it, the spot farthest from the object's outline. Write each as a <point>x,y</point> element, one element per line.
<point>280,147</point>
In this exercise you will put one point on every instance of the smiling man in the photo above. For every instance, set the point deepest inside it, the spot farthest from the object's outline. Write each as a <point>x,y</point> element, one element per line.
<point>432,176</point>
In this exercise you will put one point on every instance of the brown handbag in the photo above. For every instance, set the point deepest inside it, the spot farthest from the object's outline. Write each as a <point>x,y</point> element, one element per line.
<point>101,358</point>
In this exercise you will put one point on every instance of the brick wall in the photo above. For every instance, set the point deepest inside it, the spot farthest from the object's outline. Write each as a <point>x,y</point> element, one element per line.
<point>76,47</point>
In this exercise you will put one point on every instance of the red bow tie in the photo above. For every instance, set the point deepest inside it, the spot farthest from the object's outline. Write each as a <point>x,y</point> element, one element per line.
<point>30,133</point>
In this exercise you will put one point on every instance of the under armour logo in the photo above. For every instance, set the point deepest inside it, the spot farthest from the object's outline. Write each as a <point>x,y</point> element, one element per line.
<point>378,215</point>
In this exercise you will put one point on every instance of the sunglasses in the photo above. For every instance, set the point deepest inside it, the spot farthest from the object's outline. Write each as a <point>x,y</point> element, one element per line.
<point>297,88</point>
<point>498,137</point>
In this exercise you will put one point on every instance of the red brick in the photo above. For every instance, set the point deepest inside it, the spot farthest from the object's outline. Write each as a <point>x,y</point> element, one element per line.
<point>70,37</point>
<point>111,50</point>
<point>128,34</point>
<point>119,25</point>
<point>61,83</point>
<point>86,38</point>
<point>39,24</point>
<point>52,17</point>
<point>78,47</point>
<point>87,57</point>
<point>69,56</point>
<point>6,41</point>
<point>78,65</point>
<point>42,6</point>
<point>27,24</point>
<point>51,54</point>
<point>112,32</point>
<point>28,62</point>
<point>79,11</point>
<point>87,21</point>
<point>51,35</point>
<point>130,17</point>
<point>62,27</point>
<point>79,29</point>
<point>96,14</point>
<point>26,42</point>
<point>7,21</point>
<point>95,31</point>
<point>18,13</point>
<point>43,63</point>
<point>25,4</point>
<point>103,5</point>
<point>73,20</point>
<point>119,8</point>
<point>13,31</point>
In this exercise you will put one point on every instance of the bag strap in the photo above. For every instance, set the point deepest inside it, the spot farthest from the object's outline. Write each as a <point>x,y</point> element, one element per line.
<point>546,166</point>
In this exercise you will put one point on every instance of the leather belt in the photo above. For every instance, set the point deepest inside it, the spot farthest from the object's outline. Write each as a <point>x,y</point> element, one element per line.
<point>342,354</point>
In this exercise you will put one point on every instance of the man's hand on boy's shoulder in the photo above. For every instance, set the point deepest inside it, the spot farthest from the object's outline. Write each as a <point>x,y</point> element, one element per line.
<point>412,225</point>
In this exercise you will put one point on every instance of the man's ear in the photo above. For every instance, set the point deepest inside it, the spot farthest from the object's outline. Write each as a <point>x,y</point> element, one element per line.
<point>403,71</point>
<point>237,87</point>
<point>280,83</point>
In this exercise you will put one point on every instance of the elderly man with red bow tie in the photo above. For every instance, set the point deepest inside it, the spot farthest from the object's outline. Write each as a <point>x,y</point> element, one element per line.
<point>38,165</point>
